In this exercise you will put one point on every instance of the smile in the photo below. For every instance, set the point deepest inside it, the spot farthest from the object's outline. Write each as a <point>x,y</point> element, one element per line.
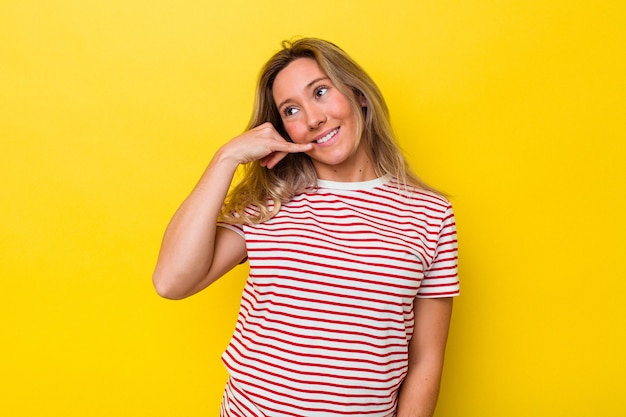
<point>327,137</point>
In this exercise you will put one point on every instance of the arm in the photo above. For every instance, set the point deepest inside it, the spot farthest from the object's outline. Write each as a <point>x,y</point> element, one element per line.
<point>420,389</point>
<point>195,252</point>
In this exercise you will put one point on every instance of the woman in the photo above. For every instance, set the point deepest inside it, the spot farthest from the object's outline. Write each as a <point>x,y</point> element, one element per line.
<point>353,261</point>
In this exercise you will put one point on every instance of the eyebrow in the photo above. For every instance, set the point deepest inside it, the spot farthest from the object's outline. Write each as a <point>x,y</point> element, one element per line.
<point>309,85</point>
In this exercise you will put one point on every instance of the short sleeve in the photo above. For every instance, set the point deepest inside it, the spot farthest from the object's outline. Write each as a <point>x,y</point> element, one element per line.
<point>441,278</point>
<point>237,228</point>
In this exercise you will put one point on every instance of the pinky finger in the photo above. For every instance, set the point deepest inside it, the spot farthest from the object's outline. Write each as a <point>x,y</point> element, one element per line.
<point>272,159</point>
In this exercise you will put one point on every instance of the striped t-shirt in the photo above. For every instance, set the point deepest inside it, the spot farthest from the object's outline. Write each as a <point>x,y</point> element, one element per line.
<point>327,311</point>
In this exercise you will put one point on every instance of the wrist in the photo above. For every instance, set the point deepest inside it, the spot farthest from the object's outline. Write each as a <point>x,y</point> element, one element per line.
<point>223,158</point>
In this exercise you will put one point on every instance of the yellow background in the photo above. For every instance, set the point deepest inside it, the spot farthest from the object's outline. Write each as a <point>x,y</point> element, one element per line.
<point>110,110</point>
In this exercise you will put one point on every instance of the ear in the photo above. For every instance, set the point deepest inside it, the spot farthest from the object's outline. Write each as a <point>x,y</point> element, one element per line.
<point>360,96</point>
<point>362,100</point>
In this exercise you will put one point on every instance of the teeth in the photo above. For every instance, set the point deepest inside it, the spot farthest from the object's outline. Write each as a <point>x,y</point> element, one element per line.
<point>327,137</point>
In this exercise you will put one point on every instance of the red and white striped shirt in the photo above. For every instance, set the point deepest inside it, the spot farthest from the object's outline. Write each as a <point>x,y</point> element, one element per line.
<point>326,314</point>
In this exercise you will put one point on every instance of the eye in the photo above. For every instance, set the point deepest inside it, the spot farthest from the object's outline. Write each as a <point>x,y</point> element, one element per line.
<point>321,91</point>
<point>290,111</point>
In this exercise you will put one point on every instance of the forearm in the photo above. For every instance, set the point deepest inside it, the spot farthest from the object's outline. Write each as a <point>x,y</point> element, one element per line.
<point>186,260</point>
<point>420,389</point>
<point>419,392</point>
<point>188,244</point>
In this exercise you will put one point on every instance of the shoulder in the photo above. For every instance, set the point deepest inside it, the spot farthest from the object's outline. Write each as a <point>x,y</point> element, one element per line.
<point>412,196</point>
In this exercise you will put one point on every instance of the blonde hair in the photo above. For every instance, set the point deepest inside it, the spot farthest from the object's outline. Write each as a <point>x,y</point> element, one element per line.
<point>266,189</point>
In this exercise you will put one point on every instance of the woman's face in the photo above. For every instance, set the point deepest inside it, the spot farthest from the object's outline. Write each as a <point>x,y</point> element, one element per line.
<point>314,111</point>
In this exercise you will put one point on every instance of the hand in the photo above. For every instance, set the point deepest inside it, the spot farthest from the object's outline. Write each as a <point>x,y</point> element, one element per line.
<point>262,143</point>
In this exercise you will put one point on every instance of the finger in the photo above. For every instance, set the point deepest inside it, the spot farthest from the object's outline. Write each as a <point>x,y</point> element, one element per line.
<point>293,147</point>
<point>281,151</point>
<point>273,159</point>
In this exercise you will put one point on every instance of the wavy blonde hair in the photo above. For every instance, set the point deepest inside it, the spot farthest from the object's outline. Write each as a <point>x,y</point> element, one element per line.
<point>266,189</point>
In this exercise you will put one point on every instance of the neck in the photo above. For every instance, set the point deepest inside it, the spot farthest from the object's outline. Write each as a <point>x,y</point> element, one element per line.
<point>362,171</point>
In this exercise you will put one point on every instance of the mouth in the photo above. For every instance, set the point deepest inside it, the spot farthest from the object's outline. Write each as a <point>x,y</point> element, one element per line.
<point>327,136</point>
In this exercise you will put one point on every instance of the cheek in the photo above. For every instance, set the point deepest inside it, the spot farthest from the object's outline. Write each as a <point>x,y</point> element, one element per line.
<point>343,109</point>
<point>296,132</point>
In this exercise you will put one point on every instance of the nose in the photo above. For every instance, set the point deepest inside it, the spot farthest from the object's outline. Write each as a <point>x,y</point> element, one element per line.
<point>315,117</point>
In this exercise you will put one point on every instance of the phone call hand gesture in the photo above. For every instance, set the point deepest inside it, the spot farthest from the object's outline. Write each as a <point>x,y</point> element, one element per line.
<point>262,143</point>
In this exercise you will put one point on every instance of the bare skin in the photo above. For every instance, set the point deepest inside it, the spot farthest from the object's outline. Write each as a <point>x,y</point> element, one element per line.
<point>420,389</point>
<point>313,110</point>
<point>195,252</point>
<point>318,118</point>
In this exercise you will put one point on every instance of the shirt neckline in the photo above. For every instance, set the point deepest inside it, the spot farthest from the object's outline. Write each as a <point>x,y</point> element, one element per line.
<point>353,185</point>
